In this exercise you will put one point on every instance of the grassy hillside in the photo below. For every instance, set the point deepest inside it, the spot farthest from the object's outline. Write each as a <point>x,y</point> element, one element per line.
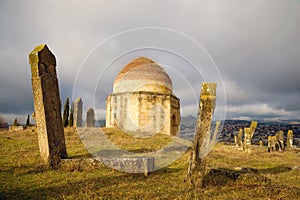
<point>232,174</point>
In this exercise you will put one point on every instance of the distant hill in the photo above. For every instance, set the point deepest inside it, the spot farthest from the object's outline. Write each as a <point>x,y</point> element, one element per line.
<point>231,126</point>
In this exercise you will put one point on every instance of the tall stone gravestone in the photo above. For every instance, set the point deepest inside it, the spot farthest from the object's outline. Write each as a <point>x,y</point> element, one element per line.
<point>78,112</point>
<point>280,138</point>
<point>240,138</point>
<point>247,139</point>
<point>252,127</point>
<point>197,164</point>
<point>47,105</point>
<point>90,118</point>
<point>289,140</point>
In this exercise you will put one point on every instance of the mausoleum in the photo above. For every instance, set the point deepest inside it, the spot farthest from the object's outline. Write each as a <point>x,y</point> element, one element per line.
<point>143,100</point>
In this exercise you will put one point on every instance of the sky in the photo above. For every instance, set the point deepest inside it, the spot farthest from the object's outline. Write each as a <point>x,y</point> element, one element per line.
<point>250,47</point>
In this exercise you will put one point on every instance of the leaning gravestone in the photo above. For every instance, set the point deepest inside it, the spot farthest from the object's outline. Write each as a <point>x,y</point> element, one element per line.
<point>90,118</point>
<point>197,163</point>
<point>47,105</point>
<point>78,112</point>
<point>252,127</point>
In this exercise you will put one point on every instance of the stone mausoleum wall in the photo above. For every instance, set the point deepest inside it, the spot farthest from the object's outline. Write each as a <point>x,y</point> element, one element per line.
<point>144,112</point>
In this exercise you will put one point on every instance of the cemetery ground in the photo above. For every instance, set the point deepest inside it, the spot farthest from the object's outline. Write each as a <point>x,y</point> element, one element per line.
<point>231,173</point>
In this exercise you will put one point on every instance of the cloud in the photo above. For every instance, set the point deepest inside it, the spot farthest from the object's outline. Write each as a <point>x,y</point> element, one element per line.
<point>260,111</point>
<point>255,44</point>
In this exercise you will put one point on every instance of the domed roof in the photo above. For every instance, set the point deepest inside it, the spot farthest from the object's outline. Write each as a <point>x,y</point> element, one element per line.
<point>143,74</point>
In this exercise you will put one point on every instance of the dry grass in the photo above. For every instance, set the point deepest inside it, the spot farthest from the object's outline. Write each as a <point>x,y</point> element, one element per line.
<point>261,175</point>
<point>134,144</point>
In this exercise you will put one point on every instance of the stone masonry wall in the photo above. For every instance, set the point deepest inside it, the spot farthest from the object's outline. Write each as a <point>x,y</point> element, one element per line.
<point>144,112</point>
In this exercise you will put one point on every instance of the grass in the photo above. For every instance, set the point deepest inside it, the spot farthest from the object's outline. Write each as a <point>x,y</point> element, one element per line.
<point>135,144</point>
<point>232,174</point>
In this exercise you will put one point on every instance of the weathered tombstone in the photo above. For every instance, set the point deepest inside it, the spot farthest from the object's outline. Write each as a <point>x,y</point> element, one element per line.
<point>248,134</point>
<point>276,142</point>
<point>271,143</point>
<point>252,130</point>
<point>47,105</point>
<point>130,164</point>
<point>240,138</point>
<point>90,118</point>
<point>78,112</point>
<point>261,143</point>
<point>235,141</point>
<point>197,163</point>
<point>279,137</point>
<point>289,140</point>
<point>247,139</point>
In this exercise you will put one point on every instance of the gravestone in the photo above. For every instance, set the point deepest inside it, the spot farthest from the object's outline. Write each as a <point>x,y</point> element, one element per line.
<point>271,143</point>
<point>197,163</point>
<point>235,141</point>
<point>90,118</point>
<point>47,105</point>
<point>130,164</point>
<point>280,141</point>
<point>289,140</point>
<point>78,112</point>
<point>240,138</point>
<point>248,134</point>
<point>252,127</point>
<point>247,139</point>
<point>261,143</point>
<point>276,143</point>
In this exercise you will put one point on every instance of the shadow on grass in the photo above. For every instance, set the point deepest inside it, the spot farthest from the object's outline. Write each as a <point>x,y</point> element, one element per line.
<point>222,176</point>
<point>84,155</point>
<point>274,170</point>
<point>105,185</point>
<point>88,186</point>
<point>101,185</point>
<point>23,169</point>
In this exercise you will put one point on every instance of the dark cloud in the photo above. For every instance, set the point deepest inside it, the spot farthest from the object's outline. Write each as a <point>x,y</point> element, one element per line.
<point>255,44</point>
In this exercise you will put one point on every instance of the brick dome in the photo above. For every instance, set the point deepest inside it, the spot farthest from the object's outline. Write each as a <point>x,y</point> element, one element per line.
<point>143,74</point>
